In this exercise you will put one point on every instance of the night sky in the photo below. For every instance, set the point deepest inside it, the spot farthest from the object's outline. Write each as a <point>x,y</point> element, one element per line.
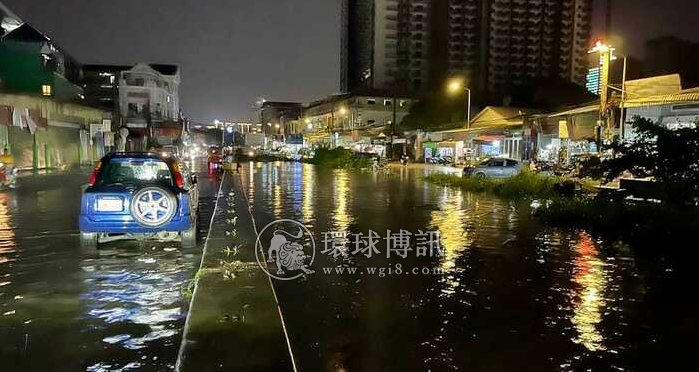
<point>233,51</point>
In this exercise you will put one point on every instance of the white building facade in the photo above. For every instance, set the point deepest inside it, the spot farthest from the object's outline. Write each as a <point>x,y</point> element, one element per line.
<point>149,93</point>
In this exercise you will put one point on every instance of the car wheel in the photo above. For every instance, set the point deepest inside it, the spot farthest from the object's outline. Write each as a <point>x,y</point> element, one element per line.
<point>88,240</point>
<point>189,236</point>
<point>480,176</point>
<point>153,206</point>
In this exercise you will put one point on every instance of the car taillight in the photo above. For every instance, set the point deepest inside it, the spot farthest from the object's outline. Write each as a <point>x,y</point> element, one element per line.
<point>179,178</point>
<point>95,173</point>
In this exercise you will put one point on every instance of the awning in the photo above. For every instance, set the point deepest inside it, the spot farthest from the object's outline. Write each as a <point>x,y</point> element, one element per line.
<point>577,111</point>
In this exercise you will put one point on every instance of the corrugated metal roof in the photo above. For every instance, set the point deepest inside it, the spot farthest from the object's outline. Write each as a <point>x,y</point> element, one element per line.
<point>662,100</point>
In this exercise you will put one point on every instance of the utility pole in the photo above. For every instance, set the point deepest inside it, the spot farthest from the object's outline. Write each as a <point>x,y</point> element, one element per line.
<point>608,21</point>
<point>393,122</point>
<point>623,106</point>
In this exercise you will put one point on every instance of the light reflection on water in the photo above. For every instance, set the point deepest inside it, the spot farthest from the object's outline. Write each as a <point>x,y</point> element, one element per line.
<point>450,220</point>
<point>588,299</point>
<point>135,291</point>
<point>7,232</point>
<point>511,287</point>
<point>342,198</point>
<point>308,192</point>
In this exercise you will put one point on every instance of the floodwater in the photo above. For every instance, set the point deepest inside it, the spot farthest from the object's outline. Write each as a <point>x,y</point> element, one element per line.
<point>67,309</point>
<point>507,294</point>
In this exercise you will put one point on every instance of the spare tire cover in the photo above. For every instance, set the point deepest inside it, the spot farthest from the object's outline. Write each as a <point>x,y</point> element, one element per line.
<point>153,206</point>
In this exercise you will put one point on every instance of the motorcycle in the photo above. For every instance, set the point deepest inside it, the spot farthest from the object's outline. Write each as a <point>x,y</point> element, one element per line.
<point>8,176</point>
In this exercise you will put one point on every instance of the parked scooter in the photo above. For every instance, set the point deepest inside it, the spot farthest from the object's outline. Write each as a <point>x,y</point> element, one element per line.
<point>8,172</point>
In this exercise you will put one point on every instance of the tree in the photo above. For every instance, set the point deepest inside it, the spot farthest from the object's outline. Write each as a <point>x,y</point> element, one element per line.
<point>671,157</point>
<point>435,112</point>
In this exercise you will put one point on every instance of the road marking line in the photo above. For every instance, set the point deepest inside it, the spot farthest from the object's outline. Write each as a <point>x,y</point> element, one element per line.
<point>271,283</point>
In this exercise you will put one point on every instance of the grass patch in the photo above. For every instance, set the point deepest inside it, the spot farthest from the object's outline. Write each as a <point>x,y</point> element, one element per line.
<point>523,185</point>
<point>339,159</point>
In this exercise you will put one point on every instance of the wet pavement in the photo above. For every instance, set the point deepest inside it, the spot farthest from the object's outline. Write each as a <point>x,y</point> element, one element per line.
<point>513,294</point>
<point>65,309</point>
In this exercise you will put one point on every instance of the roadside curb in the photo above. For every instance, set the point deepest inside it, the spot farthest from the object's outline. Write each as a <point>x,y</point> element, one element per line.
<point>233,321</point>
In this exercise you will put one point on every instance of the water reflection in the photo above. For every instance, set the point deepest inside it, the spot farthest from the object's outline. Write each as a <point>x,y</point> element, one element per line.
<point>342,198</point>
<point>450,220</point>
<point>588,299</point>
<point>142,290</point>
<point>308,191</point>
<point>7,233</point>
<point>512,290</point>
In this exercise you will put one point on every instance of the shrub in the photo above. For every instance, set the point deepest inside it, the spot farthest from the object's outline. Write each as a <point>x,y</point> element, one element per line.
<point>524,184</point>
<point>339,158</point>
<point>669,156</point>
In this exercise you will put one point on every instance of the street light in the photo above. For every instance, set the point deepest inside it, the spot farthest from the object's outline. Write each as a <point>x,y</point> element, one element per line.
<point>606,53</point>
<point>456,86</point>
<point>343,110</point>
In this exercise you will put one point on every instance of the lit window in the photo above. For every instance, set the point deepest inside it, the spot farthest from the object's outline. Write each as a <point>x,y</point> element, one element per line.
<point>46,90</point>
<point>371,101</point>
<point>387,102</point>
<point>403,103</point>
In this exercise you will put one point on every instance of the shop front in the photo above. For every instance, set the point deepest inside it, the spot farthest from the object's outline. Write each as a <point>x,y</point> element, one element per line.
<point>575,136</point>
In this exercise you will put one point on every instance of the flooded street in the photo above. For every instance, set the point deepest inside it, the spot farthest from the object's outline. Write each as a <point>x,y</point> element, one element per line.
<point>66,309</point>
<point>508,294</point>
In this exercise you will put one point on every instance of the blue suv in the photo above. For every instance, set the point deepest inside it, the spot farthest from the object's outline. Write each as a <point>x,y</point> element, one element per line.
<point>139,195</point>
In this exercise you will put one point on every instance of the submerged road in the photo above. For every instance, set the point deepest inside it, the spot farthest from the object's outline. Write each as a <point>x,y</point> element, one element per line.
<point>65,309</point>
<point>507,294</point>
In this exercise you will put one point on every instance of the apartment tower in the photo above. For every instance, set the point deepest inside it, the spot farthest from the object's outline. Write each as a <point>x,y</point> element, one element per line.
<point>414,45</point>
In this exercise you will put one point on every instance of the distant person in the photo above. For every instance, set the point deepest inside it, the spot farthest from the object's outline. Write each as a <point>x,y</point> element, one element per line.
<point>238,166</point>
<point>7,158</point>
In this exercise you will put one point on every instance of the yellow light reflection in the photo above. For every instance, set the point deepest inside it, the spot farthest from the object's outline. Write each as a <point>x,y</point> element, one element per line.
<point>588,300</point>
<point>7,233</point>
<point>341,217</point>
<point>308,180</point>
<point>450,219</point>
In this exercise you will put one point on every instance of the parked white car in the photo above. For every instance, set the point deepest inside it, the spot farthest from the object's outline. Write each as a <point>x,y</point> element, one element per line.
<point>494,168</point>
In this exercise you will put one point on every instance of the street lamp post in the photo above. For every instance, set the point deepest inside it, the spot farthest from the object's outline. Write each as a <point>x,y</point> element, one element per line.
<point>606,53</point>
<point>342,111</point>
<point>456,86</point>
